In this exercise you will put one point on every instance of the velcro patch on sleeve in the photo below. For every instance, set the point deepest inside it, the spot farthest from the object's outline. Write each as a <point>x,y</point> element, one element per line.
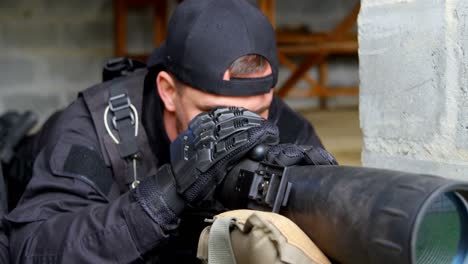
<point>87,162</point>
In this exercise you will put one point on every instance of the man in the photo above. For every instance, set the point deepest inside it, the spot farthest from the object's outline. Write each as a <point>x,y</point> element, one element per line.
<point>105,188</point>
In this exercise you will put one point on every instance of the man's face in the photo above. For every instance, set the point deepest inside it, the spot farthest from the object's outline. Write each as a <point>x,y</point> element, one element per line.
<point>190,102</point>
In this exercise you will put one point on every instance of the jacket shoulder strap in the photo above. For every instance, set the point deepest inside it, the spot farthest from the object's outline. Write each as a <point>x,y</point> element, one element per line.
<point>120,147</point>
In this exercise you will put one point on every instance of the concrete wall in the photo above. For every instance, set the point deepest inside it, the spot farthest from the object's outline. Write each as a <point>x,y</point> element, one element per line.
<point>51,49</point>
<point>414,85</point>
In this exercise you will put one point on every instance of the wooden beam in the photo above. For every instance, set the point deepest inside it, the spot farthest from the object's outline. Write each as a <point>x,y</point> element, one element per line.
<point>268,8</point>
<point>322,90</point>
<point>272,13</point>
<point>347,23</point>
<point>120,28</point>
<point>325,48</point>
<point>298,74</point>
<point>143,57</point>
<point>284,38</point>
<point>160,21</point>
<point>283,59</point>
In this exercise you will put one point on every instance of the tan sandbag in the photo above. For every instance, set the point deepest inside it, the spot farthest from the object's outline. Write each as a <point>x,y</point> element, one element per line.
<point>257,237</point>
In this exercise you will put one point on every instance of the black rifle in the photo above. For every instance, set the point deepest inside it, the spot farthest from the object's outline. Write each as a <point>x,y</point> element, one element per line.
<point>360,215</point>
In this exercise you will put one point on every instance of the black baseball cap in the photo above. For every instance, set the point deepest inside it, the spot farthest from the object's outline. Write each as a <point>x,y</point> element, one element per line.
<point>206,36</point>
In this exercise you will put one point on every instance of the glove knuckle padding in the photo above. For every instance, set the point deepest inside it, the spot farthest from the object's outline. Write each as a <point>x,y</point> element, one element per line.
<point>235,149</point>
<point>218,139</point>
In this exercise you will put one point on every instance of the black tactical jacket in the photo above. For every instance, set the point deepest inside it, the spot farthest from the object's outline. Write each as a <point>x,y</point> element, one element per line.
<point>4,258</point>
<point>77,207</point>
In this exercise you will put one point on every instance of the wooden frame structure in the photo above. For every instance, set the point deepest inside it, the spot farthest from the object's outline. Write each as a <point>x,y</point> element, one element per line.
<point>315,48</point>
<point>160,16</point>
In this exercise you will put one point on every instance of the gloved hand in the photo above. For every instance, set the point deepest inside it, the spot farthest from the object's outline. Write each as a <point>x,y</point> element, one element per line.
<point>290,154</point>
<point>200,158</point>
<point>213,142</point>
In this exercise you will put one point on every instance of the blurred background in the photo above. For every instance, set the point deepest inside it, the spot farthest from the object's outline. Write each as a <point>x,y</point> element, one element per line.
<point>52,49</point>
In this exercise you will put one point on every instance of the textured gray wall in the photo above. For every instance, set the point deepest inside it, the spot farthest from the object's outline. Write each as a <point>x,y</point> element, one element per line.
<point>414,79</point>
<point>51,49</point>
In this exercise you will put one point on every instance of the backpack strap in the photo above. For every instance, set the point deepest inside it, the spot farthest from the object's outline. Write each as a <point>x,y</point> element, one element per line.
<point>114,107</point>
<point>123,116</point>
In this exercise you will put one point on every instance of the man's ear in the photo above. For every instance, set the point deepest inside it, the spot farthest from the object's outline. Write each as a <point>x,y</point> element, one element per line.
<point>167,90</point>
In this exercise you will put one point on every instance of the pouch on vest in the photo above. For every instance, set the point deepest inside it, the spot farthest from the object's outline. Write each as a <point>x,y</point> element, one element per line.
<point>248,237</point>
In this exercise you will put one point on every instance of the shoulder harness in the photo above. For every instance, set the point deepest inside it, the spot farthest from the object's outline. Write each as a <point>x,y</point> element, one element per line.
<point>115,106</point>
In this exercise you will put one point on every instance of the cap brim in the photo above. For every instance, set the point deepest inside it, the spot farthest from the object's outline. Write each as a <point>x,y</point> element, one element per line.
<point>157,56</point>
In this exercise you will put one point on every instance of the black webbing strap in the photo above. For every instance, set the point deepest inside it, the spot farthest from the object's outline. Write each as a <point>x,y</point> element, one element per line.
<point>124,119</point>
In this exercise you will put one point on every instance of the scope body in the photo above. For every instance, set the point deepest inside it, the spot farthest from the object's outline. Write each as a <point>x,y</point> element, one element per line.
<point>359,215</point>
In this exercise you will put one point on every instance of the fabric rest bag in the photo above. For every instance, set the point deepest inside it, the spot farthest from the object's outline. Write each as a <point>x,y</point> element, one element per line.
<point>248,236</point>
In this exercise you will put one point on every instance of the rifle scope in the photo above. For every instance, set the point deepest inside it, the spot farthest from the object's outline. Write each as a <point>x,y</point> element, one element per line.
<point>360,215</point>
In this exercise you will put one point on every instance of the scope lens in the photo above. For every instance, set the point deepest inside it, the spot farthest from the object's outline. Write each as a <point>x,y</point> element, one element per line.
<point>442,234</point>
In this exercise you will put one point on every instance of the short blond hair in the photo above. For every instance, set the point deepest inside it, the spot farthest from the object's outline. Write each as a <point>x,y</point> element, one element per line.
<point>247,64</point>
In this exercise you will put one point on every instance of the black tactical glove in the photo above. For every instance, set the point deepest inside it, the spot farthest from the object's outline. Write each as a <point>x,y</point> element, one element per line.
<point>200,158</point>
<point>213,142</point>
<point>290,154</point>
<point>158,197</point>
